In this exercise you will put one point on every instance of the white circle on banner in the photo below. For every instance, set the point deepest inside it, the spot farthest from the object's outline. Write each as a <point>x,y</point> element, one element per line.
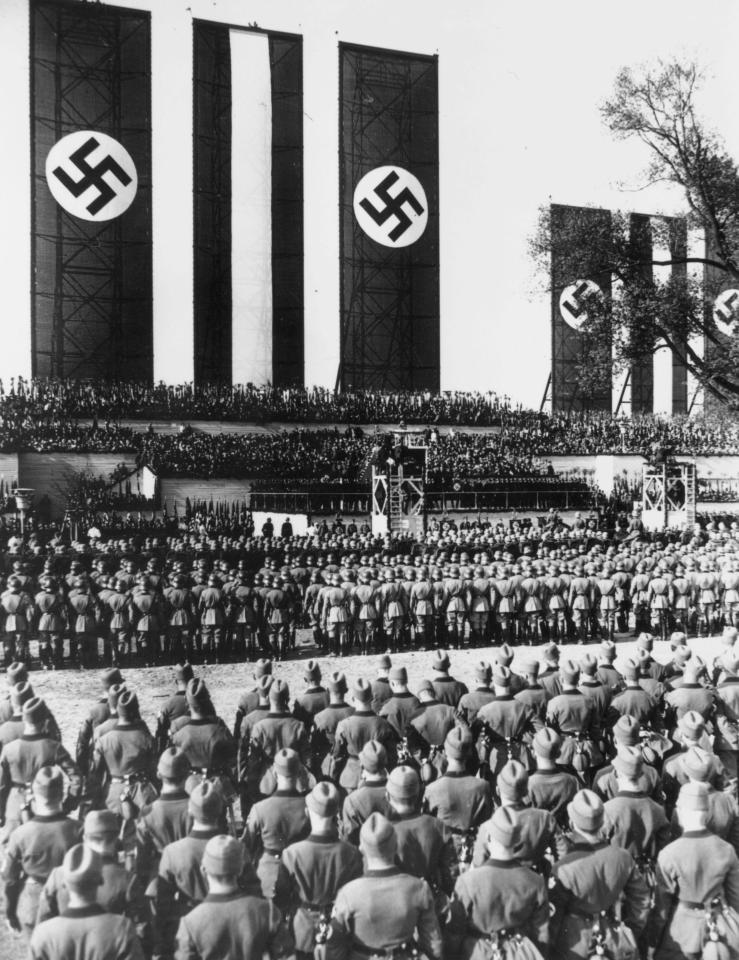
<point>91,175</point>
<point>573,302</point>
<point>726,312</point>
<point>391,206</point>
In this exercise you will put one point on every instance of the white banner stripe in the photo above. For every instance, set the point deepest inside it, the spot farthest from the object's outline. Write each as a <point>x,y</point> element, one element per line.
<point>251,207</point>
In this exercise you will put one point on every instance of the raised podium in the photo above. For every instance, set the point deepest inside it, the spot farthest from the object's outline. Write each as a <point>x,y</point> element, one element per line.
<point>398,501</point>
<point>668,495</point>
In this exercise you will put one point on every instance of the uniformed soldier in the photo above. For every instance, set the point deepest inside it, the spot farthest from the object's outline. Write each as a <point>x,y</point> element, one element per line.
<point>471,703</point>
<point>318,867</point>
<point>124,759</point>
<point>723,815</point>
<point>84,613</point>
<point>427,729</point>
<point>85,928</point>
<point>276,822</point>
<point>692,732</point>
<point>370,795</point>
<point>533,695</point>
<point>402,704</point>
<point>460,801</point>
<point>22,759</point>
<point>165,819</point>
<point>596,888</point>
<point>49,602</point>
<point>366,603</point>
<point>384,911</point>
<point>325,722</point>
<point>425,845</point>
<point>17,672</point>
<point>381,691</point>
<point>626,736</point>
<point>250,700</point>
<point>574,716</point>
<point>16,616</point>
<point>726,739</point>
<point>697,886</point>
<point>446,688</point>
<point>35,848</point>
<point>230,922</point>
<point>314,698</point>
<point>500,905</point>
<point>607,673</point>
<point>356,730</point>
<point>175,706</point>
<point>279,730</point>
<point>504,726</point>
<point>551,786</point>
<point>98,713</point>
<point>212,610</point>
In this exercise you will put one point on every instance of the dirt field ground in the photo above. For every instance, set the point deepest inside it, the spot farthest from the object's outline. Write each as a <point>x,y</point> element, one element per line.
<point>69,693</point>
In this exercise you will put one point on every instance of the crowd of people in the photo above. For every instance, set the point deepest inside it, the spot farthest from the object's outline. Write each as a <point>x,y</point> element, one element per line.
<point>560,809</point>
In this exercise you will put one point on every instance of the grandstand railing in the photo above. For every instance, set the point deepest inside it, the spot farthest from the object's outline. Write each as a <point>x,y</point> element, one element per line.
<point>447,501</point>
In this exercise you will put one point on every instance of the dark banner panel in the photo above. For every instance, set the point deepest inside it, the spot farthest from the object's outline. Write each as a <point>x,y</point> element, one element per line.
<point>389,201</point>
<point>91,191</point>
<point>679,249</point>
<point>642,370</point>
<point>212,202</point>
<point>286,63</point>
<point>577,277</point>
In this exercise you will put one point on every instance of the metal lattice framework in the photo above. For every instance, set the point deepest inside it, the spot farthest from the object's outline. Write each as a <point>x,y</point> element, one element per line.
<point>389,296</point>
<point>92,288</point>
<point>668,495</point>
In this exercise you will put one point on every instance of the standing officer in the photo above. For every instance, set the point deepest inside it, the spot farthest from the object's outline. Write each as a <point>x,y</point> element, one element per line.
<point>175,706</point>
<point>446,688</point>
<point>249,700</point>
<point>166,819</point>
<point>206,741</point>
<point>314,698</point>
<point>230,922</point>
<point>370,795</point>
<point>124,760</point>
<point>382,912</point>
<point>323,734</point>
<point>99,712</point>
<point>471,703</point>
<point>318,867</point>
<point>353,732</point>
<point>279,730</point>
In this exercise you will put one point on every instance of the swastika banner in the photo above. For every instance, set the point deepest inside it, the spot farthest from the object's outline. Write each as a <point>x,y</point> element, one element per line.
<point>389,202</point>
<point>91,191</point>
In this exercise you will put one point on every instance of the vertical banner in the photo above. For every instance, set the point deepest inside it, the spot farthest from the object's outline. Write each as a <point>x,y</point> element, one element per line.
<point>248,205</point>
<point>642,370</point>
<point>678,240</point>
<point>389,205</point>
<point>91,191</point>
<point>577,280</point>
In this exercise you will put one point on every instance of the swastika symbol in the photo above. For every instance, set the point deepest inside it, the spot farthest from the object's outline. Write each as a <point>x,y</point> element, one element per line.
<point>726,304</point>
<point>573,303</point>
<point>91,175</point>
<point>391,207</point>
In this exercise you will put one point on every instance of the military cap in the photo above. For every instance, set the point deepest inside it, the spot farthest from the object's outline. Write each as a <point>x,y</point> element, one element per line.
<point>504,656</point>
<point>223,856</point>
<point>114,695</point>
<point>110,676</point>
<point>531,668</point>
<point>426,686</point>
<point>373,756</point>
<point>588,665</point>
<point>691,725</point>
<point>692,671</point>
<point>547,743</point>
<point>570,671</point>
<point>82,867</point>
<point>586,811</point>
<point>184,672</point>
<point>678,639</point>
<point>383,662</point>
<point>262,666</point>
<point>287,763</point>
<point>34,710</point>
<point>501,676</point>
<point>458,743</point>
<point>730,663</point>
<point>101,823</point>
<point>263,685</point>
<point>336,683</point>
<point>645,641</point>
<point>206,802</point>
<point>377,836</point>
<point>483,671</point>
<point>697,764</point>
<point>504,827</point>
<point>17,672</point>
<point>550,653</point>
<point>128,706</point>
<point>629,762</point>
<point>362,690</point>
<point>608,651</point>
<point>197,693</point>
<point>403,783</point>
<point>682,654</point>
<point>399,675</point>
<point>49,784</point>
<point>312,670</point>
<point>173,764</point>
<point>513,780</point>
<point>626,731</point>
<point>630,670</point>
<point>279,692</point>
<point>323,799</point>
<point>693,796</point>
<point>20,693</point>
<point>440,661</point>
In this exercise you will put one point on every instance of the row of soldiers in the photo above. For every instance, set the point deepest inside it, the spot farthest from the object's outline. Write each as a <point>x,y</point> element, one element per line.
<point>212,612</point>
<point>559,810</point>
